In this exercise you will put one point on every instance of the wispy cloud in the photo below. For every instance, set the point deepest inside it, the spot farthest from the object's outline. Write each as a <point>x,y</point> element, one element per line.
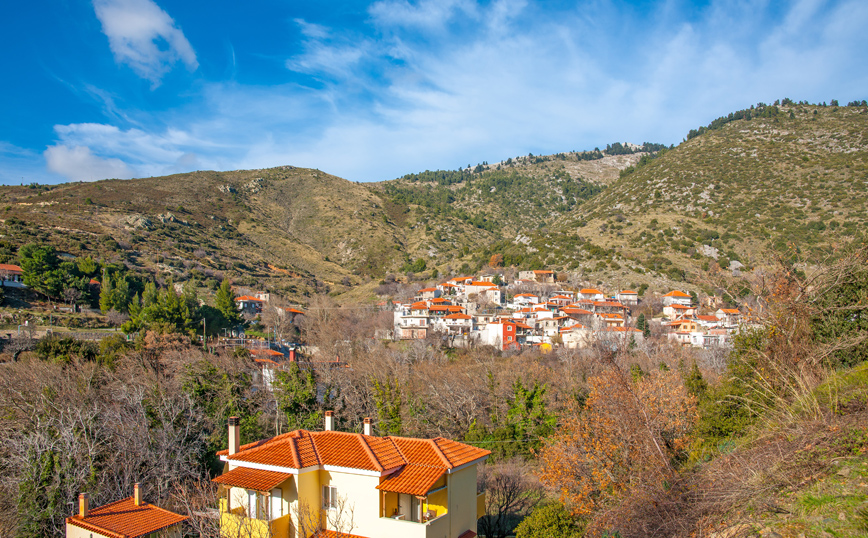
<point>445,84</point>
<point>144,37</point>
<point>77,163</point>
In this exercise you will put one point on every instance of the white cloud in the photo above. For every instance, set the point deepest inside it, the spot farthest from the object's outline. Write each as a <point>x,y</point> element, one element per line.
<point>77,163</point>
<point>144,37</point>
<point>523,80</point>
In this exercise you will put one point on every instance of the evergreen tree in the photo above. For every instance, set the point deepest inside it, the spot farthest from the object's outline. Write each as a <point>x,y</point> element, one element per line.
<point>225,303</point>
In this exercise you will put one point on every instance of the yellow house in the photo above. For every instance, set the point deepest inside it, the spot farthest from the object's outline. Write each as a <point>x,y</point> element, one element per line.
<point>349,484</point>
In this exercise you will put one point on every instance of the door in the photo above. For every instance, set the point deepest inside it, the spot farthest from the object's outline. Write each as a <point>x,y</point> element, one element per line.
<point>276,503</point>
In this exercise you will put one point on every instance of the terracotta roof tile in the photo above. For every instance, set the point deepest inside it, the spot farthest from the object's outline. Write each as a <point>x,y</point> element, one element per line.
<point>386,451</point>
<point>412,479</point>
<point>591,291</point>
<point>676,293</point>
<point>123,519</point>
<point>9,267</point>
<point>333,534</point>
<point>243,477</point>
<point>300,448</point>
<point>459,453</point>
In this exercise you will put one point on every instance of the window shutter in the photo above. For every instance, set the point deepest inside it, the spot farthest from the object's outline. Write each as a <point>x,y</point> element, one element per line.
<point>276,503</point>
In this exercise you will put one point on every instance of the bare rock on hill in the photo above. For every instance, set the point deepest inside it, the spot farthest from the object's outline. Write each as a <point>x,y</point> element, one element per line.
<point>135,221</point>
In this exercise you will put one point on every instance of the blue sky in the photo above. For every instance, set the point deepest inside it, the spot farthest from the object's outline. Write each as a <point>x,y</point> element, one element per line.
<point>373,90</point>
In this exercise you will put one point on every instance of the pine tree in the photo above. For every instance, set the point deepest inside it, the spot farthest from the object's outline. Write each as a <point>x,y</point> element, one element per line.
<point>225,303</point>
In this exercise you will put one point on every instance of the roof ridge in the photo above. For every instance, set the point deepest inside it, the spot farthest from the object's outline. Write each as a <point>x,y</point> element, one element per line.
<point>377,465</point>
<point>293,449</point>
<point>261,445</point>
<point>314,448</point>
<point>440,453</point>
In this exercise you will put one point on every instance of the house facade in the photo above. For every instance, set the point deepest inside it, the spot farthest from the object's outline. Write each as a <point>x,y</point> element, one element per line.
<point>677,297</point>
<point>300,482</point>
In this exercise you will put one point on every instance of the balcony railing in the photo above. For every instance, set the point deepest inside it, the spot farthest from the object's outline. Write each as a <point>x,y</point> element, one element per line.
<point>391,527</point>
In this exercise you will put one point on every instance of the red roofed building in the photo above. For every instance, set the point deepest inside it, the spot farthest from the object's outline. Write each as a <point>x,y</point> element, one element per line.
<point>677,297</point>
<point>729,316</point>
<point>127,518</point>
<point>249,305</point>
<point>11,275</point>
<point>394,486</point>
<point>591,294</point>
<point>628,297</point>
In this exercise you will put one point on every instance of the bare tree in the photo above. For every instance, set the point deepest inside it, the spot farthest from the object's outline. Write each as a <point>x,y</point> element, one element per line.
<point>511,493</point>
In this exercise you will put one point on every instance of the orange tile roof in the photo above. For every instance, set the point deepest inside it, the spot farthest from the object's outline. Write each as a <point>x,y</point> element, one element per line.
<point>622,329</point>
<point>458,316</point>
<point>269,352</point>
<point>526,295</point>
<point>448,285</point>
<point>730,311</point>
<point>680,307</point>
<point>708,318</point>
<point>123,519</point>
<point>264,361</point>
<point>522,325</point>
<point>486,284</point>
<point>609,303</point>
<point>591,291</point>
<point>333,534</point>
<point>259,480</point>
<point>542,272</point>
<point>424,290</point>
<point>412,480</point>
<point>301,448</point>
<point>676,294</point>
<point>421,305</point>
<point>249,299</point>
<point>627,292</point>
<point>576,311</point>
<point>9,267</point>
<point>440,300</point>
<point>294,311</point>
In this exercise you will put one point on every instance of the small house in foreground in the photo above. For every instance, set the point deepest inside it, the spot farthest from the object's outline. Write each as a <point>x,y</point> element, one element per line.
<point>353,484</point>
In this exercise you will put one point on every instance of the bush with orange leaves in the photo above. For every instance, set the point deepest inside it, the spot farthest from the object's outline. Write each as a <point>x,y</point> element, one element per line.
<point>622,442</point>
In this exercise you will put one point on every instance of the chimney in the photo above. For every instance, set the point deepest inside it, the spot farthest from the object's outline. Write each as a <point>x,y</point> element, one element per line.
<point>329,421</point>
<point>368,426</point>
<point>82,504</point>
<point>137,495</point>
<point>234,435</point>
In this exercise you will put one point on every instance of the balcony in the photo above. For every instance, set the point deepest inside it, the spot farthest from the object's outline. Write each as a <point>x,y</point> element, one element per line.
<point>392,527</point>
<point>237,523</point>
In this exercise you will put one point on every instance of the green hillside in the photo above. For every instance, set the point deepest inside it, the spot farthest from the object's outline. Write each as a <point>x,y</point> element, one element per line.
<point>761,179</point>
<point>790,175</point>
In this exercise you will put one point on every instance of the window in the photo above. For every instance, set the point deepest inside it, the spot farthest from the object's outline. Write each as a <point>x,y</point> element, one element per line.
<point>329,497</point>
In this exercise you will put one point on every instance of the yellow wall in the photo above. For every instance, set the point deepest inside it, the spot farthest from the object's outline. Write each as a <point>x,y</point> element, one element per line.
<point>307,490</point>
<point>362,498</point>
<point>462,501</point>
<point>439,502</point>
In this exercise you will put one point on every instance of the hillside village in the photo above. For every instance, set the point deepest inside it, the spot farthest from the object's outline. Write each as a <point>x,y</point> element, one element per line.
<point>470,311</point>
